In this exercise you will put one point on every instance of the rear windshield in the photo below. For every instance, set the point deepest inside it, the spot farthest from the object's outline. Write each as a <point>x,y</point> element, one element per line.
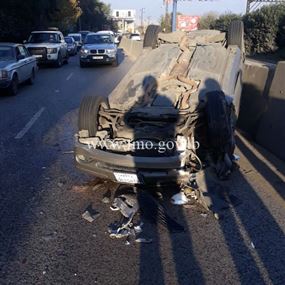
<point>77,38</point>
<point>6,53</point>
<point>36,38</point>
<point>99,39</point>
<point>68,40</point>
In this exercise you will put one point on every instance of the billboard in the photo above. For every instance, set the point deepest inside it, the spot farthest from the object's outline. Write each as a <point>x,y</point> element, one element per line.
<point>187,23</point>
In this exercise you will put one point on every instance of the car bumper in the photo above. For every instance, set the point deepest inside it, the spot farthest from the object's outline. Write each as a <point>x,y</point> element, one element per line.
<point>150,170</point>
<point>5,83</point>
<point>97,59</point>
<point>45,59</point>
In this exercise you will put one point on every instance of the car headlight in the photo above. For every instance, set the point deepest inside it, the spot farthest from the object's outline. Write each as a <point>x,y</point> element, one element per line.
<point>84,51</point>
<point>52,50</point>
<point>4,74</point>
<point>112,51</point>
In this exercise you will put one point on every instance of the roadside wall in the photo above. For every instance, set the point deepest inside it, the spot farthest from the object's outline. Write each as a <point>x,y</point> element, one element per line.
<point>263,106</point>
<point>132,48</point>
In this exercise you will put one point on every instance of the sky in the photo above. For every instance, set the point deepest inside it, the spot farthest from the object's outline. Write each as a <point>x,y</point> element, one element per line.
<point>154,8</point>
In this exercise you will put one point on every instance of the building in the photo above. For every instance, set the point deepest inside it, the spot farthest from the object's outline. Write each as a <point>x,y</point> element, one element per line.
<point>125,20</point>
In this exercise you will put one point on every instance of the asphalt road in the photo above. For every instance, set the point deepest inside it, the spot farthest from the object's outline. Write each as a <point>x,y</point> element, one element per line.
<point>44,240</point>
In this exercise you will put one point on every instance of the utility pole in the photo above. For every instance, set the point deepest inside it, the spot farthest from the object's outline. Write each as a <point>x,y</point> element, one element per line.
<point>174,14</point>
<point>142,21</point>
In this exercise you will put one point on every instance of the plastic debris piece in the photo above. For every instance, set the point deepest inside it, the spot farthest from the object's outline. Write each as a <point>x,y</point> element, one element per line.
<point>252,245</point>
<point>106,200</point>
<point>90,217</point>
<point>143,240</point>
<point>204,215</point>
<point>236,157</point>
<point>179,199</point>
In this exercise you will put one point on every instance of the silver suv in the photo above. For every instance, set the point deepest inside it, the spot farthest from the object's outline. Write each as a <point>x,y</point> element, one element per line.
<point>48,47</point>
<point>99,48</point>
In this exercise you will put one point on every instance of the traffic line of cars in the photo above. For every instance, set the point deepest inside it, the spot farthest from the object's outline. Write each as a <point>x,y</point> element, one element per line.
<point>19,62</point>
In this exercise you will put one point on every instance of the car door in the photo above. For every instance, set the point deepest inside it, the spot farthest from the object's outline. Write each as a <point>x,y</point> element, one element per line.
<point>22,69</point>
<point>31,62</point>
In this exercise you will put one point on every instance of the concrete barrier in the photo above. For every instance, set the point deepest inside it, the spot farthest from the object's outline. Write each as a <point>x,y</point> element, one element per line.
<point>132,48</point>
<point>253,99</point>
<point>271,129</point>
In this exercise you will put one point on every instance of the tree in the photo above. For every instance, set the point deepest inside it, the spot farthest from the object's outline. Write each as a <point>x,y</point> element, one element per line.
<point>208,21</point>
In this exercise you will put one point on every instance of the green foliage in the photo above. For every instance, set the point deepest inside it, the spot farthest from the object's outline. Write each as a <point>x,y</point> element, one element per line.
<point>208,21</point>
<point>262,28</point>
<point>165,23</point>
<point>18,18</point>
<point>223,22</point>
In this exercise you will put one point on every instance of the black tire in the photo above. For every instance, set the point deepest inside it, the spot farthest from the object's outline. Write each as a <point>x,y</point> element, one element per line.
<point>218,120</point>
<point>88,113</point>
<point>59,61</point>
<point>31,80</point>
<point>13,88</point>
<point>151,35</point>
<point>82,64</point>
<point>115,63</point>
<point>66,59</point>
<point>236,34</point>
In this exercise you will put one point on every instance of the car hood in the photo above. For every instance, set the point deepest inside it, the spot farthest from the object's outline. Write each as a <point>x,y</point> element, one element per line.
<point>5,63</point>
<point>43,45</point>
<point>100,46</point>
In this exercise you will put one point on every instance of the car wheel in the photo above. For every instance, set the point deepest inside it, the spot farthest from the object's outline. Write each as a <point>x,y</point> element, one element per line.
<point>151,35</point>
<point>218,120</point>
<point>88,113</point>
<point>82,64</point>
<point>13,88</point>
<point>115,63</point>
<point>66,58</point>
<point>236,34</point>
<point>59,60</point>
<point>31,80</point>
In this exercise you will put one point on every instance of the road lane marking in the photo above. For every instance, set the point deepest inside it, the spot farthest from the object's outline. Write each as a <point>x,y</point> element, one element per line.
<point>29,124</point>
<point>69,76</point>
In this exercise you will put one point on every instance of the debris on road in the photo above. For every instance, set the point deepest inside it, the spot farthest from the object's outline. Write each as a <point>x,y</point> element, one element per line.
<point>90,214</point>
<point>68,152</point>
<point>107,197</point>
<point>143,240</point>
<point>79,189</point>
<point>179,199</point>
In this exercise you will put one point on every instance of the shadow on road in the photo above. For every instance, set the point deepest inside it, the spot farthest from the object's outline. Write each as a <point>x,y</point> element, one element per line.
<point>152,210</point>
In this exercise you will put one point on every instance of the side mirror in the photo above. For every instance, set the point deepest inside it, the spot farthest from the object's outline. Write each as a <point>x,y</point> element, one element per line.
<point>20,57</point>
<point>24,42</point>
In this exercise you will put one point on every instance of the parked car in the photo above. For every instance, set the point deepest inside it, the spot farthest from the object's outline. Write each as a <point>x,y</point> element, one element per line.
<point>99,48</point>
<point>135,37</point>
<point>16,66</point>
<point>78,39</point>
<point>48,47</point>
<point>71,45</point>
<point>83,35</point>
<point>172,115</point>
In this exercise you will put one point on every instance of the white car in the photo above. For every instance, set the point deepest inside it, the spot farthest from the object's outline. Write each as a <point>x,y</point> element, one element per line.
<point>16,66</point>
<point>48,47</point>
<point>78,39</point>
<point>135,37</point>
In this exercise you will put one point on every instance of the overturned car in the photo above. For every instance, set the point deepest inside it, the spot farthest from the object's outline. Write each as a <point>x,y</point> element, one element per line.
<point>172,115</point>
